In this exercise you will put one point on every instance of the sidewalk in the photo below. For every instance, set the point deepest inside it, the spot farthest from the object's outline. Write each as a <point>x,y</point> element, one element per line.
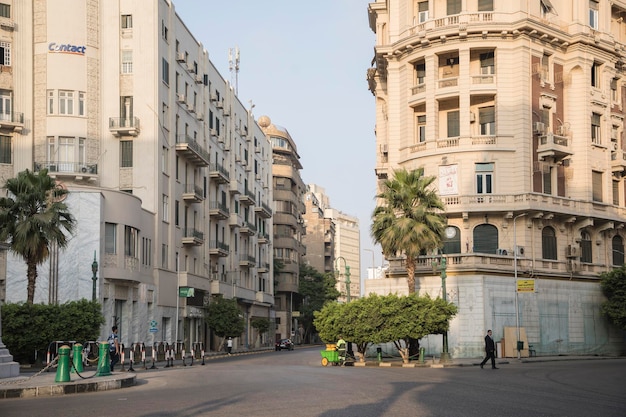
<point>33,382</point>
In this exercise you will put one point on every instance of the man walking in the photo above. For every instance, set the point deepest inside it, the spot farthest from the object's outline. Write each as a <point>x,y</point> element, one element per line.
<point>490,351</point>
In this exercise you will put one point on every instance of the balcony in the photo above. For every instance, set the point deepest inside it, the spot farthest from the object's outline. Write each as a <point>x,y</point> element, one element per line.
<point>192,236</point>
<point>234,220</point>
<point>218,248</point>
<point>192,151</point>
<point>218,210</point>
<point>553,146</point>
<point>218,173</point>
<point>247,228</point>
<point>618,161</point>
<point>247,198</point>
<point>263,238</point>
<point>234,186</point>
<point>124,126</point>
<point>13,121</point>
<point>67,169</point>
<point>247,261</point>
<point>193,193</point>
<point>263,211</point>
<point>263,267</point>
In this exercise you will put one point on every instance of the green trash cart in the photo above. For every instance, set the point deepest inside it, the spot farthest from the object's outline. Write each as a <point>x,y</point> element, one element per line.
<point>330,356</point>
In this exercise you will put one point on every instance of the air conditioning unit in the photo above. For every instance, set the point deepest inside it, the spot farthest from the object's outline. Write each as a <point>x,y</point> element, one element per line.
<point>472,117</point>
<point>190,67</point>
<point>520,251</point>
<point>213,96</point>
<point>562,131</point>
<point>219,105</point>
<point>226,112</point>
<point>503,252</point>
<point>571,251</point>
<point>384,148</point>
<point>180,57</point>
<point>181,98</point>
<point>539,127</point>
<point>190,107</point>
<point>199,79</point>
<point>200,116</point>
<point>615,147</point>
<point>422,16</point>
<point>213,132</point>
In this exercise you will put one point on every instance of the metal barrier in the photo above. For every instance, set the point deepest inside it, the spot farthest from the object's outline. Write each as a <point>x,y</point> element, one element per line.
<point>137,350</point>
<point>53,349</point>
<point>198,349</point>
<point>161,348</point>
<point>90,352</point>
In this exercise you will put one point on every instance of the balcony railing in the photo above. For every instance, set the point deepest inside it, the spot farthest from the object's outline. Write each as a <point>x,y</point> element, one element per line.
<point>219,248</point>
<point>67,168</point>
<point>192,236</point>
<point>533,201</point>
<point>193,193</point>
<point>191,149</point>
<point>13,121</point>
<point>218,209</point>
<point>218,173</point>
<point>553,146</point>
<point>124,126</point>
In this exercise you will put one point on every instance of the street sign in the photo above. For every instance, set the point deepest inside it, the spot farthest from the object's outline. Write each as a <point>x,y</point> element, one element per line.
<point>525,285</point>
<point>153,326</point>
<point>186,292</point>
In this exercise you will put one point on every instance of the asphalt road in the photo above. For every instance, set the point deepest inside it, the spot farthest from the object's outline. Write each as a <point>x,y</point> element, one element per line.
<point>293,383</point>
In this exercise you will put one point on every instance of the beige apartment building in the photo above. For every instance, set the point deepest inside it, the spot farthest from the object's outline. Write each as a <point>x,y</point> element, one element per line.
<point>170,175</point>
<point>320,231</point>
<point>517,108</point>
<point>333,242</point>
<point>289,228</point>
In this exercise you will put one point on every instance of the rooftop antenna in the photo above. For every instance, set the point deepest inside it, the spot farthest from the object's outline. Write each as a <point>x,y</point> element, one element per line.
<point>233,65</point>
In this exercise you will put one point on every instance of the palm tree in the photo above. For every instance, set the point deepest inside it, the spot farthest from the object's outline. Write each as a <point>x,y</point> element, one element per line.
<point>33,217</point>
<point>409,219</point>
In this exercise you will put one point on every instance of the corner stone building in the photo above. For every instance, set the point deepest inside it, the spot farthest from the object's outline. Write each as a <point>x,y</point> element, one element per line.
<point>517,108</point>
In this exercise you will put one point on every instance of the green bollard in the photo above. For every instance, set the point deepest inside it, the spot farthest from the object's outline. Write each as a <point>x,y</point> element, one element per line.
<point>63,365</point>
<point>104,360</point>
<point>422,352</point>
<point>77,358</point>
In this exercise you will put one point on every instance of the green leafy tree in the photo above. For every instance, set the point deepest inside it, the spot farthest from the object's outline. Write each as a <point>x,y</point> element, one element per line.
<point>224,318</point>
<point>330,321</point>
<point>409,219</point>
<point>32,217</point>
<point>613,285</point>
<point>29,328</point>
<point>315,290</point>
<point>411,318</point>
<point>382,319</point>
<point>261,324</point>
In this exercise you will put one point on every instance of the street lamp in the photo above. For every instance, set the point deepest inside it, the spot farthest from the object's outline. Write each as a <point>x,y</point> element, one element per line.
<point>519,353</point>
<point>94,278</point>
<point>347,275</point>
<point>441,266</point>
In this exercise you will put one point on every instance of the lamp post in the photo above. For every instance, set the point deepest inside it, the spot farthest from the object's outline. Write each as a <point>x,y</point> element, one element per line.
<point>441,266</point>
<point>519,353</point>
<point>94,278</point>
<point>347,275</point>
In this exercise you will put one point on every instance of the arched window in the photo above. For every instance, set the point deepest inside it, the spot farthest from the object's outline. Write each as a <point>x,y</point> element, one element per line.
<point>548,243</point>
<point>618,250</point>
<point>585,248</point>
<point>452,240</point>
<point>485,239</point>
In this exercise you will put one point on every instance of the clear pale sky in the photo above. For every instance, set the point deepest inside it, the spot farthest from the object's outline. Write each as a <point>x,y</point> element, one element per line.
<point>304,65</point>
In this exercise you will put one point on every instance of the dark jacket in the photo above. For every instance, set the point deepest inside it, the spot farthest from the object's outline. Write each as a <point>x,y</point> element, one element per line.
<point>489,344</point>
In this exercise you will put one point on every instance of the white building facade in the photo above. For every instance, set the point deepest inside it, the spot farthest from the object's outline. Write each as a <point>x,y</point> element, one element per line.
<point>517,108</point>
<point>169,174</point>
